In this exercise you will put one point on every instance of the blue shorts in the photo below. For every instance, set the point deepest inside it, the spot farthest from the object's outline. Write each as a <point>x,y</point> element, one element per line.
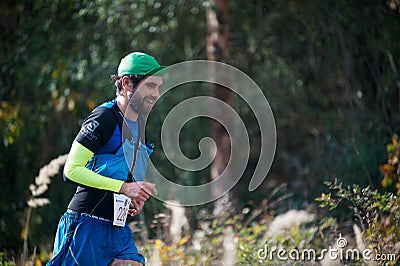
<point>85,240</point>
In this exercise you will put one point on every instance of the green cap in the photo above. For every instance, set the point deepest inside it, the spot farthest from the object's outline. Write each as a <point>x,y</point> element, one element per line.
<point>139,64</point>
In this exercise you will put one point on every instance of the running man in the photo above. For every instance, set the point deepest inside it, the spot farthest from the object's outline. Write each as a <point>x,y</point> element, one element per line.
<point>108,166</point>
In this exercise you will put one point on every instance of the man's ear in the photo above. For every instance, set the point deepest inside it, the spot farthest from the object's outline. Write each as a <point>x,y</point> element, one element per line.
<point>126,83</point>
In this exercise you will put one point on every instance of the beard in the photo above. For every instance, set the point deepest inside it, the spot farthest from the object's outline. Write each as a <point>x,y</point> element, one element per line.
<point>138,105</point>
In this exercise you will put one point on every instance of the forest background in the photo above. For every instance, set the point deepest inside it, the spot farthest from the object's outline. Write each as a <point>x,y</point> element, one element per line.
<point>329,69</point>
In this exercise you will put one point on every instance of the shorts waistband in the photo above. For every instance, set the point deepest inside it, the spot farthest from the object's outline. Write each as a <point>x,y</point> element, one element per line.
<point>88,215</point>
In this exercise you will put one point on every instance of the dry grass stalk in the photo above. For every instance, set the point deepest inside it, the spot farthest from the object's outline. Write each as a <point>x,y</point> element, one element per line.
<point>285,221</point>
<point>41,185</point>
<point>43,180</point>
<point>179,221</point>
<point>230,245</point>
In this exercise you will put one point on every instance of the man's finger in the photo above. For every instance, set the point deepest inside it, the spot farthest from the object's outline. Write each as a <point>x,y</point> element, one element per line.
<point>142,198</point>
<point>144,194</point>
<point>149,187</point>
<point>132,212</point>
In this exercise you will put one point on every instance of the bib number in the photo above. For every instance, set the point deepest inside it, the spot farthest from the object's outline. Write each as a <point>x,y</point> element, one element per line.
<point>121,207</point>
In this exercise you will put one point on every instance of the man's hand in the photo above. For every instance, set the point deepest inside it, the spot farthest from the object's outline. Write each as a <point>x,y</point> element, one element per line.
<point>136,207</point>
<point>140,191</point>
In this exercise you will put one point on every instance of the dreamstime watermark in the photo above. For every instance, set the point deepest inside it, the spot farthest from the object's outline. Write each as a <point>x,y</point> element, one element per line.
<point>339,252</point>
<point>213,108</point>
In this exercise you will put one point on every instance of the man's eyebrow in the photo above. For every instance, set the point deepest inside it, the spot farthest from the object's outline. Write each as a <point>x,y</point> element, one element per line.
<point>151,84</point>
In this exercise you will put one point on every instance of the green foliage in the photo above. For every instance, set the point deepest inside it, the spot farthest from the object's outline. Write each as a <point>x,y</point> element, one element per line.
<point>328,68</point>
<point>377,212</point>
<point>56,57</point>
<point>4,261</point>
<point>310,59</point>
<point>391,170</point>
<point>241,237</point>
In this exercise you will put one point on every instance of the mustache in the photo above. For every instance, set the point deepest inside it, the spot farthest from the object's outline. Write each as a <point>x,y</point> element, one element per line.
<point>151,98</point>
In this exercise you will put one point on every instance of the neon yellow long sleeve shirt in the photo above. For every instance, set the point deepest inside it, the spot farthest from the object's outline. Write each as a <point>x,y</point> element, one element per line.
<point>76,171</point>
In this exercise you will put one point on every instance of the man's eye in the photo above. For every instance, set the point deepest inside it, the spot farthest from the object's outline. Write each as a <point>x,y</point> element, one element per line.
<point>151,86</point>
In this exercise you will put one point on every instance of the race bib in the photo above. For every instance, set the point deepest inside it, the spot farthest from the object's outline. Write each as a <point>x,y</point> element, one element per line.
<point>121,207</point>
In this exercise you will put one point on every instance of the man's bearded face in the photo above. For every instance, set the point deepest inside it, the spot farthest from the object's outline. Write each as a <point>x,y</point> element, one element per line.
<point>146,93</point>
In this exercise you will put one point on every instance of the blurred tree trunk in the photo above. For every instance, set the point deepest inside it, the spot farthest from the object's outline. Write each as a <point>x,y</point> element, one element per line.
<point>217,50</point>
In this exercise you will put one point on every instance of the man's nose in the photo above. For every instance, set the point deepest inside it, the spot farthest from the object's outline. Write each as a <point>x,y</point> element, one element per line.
<point>155,93</point>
